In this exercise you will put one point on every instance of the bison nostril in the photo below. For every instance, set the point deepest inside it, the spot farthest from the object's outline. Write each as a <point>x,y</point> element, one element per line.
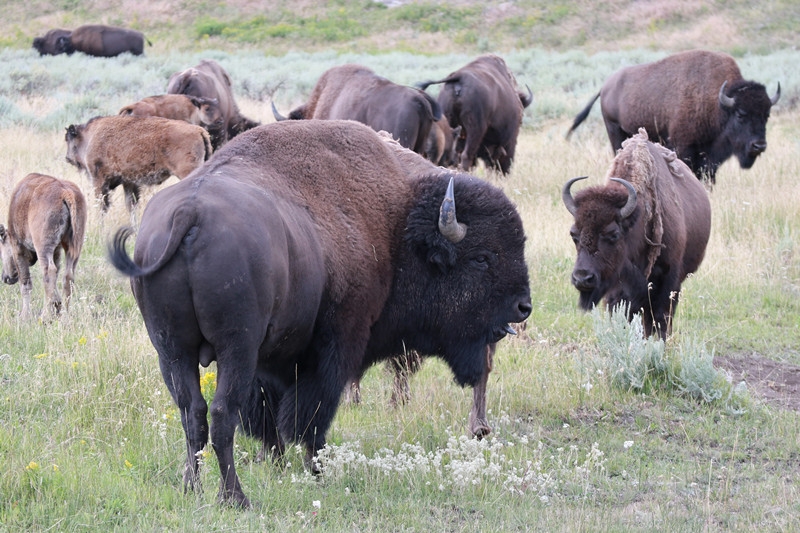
<point>758,147</point>
<point>584,280</point>
<point>525,309</point>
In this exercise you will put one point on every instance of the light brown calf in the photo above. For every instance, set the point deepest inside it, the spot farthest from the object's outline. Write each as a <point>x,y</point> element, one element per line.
<point>46,215</point>
<point>195,110</point>
<point>135,152</point>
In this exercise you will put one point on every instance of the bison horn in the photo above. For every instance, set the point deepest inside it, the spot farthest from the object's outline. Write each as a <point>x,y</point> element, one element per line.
<point>527,100</point>
<point>449,226</point>
<point>276,114</point>
<point>630,205</point>
<point>567,198</point>
<point>777,96</point>
<point>724,99</point>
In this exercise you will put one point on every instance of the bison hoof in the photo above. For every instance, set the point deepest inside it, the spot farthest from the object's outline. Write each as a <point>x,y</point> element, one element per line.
<point>236,500</point>
<point>480,429</point>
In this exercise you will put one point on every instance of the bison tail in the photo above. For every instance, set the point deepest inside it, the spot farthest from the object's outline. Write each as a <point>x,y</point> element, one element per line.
<point>77,215</point>
<point>119,257</point>
<point>582,115</point>
<point>435,108</point>
<point>209,146</point>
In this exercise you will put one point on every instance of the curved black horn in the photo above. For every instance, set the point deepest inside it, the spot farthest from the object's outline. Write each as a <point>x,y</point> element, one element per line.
<point>777,96</point>
<point>567,198</point>
<point>276,114</point>
<point>527,100</point>
<point>630,205</point>
<point>724,99</point>
<point>448,224</point>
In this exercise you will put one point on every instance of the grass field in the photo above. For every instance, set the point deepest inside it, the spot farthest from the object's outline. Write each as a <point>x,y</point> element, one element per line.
<point>91,441</point>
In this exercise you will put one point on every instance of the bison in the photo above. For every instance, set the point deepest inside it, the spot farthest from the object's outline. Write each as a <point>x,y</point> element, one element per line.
<point>135,152</point>
<point>209,80</point>
<point>195,110</point>
<point>441,146</point>
<point>301,254</point>
<point>482,97</point>
<point>640,234</point>
<point>53,43</point>
<point>695,103</point>
<point>105,41</point>
<point>46,215</point>
<point>354,92</point>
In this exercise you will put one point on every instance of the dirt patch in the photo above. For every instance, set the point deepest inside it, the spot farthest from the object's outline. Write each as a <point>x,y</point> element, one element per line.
<point>776,383</point>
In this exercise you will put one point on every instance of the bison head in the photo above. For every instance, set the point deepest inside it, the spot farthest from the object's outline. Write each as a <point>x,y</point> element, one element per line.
<point>210,112</point>
<point>464,278</point>
<point>75,145</point>
<point>8,257</point>
<point>604,219</point>
<point>745,109</point>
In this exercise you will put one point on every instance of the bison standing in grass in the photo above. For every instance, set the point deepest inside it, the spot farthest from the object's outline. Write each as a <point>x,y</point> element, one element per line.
<point>195,110</point>
<point>46,216</point>
<point>135,152</point>
<point>300,255</point>
<point>696,103</point>
<point>639,235</point>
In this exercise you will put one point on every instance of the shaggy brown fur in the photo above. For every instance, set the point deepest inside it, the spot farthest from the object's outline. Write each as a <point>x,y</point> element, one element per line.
<point>208,79</point>
<point>135,152</point>
<point>105,41</point>
<point>195,110</point>
<point>46,216</point>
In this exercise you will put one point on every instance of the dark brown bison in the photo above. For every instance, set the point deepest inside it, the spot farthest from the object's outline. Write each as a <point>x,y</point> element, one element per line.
<point>482,97</point>
<point>300,255</point>
<point>209,80</point>
<point>441,146</point>
<point>53,43</point>
<point>135,152</point>
<point>192,109</point>
<point>354,92</point>
<point>105,41</point>
<point>695,103</point>
<point>46,215</point>
<point>640,234</point>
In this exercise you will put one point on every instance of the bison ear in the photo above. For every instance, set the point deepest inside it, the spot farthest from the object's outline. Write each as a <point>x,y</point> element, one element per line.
<point>72,131</point>
<point>2,234</point>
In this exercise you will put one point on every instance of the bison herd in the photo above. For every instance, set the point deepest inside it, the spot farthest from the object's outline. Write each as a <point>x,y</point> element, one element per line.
<point>302,252</point>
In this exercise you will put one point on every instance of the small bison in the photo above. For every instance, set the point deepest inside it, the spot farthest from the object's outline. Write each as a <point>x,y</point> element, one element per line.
<point>696,103</point>
<point>441,146</point>
<point>640,234</point>
<point>105,41</point>
<point>135,152</point>
<point>46,215</point>
<point>195,110</point>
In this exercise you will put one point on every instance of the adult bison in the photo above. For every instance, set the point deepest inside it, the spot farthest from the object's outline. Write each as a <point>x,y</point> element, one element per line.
<point>46,216</point>
<point>354,92</point>
<point>209,80</point>
<point>54,42</point>
<point>482,97</point>
<point>695,103</point>
<point>135,152</point>
<point>105,41</point>
<point>640,234</point>
<point>195,110</point>
<point>298,256</point>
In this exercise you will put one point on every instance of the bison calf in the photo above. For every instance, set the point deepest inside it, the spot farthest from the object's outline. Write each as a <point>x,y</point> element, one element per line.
<point>46,215</point>
<point>640,234</point>
<point>133,152</point>
<point>195,110</point>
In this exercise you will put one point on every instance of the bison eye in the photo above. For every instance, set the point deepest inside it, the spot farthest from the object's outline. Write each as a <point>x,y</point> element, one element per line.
<point>481,261</point>
<point>574,235</point>
<point>611,237</point>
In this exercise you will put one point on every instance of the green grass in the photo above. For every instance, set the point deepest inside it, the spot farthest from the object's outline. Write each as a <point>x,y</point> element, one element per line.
<point>90,439</point>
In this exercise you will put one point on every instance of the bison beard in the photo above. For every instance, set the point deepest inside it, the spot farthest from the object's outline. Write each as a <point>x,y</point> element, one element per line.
<point>319,254</point>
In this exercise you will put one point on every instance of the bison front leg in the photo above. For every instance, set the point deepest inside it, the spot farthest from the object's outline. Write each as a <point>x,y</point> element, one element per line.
<point>478,424</point>
<point>25,287</point>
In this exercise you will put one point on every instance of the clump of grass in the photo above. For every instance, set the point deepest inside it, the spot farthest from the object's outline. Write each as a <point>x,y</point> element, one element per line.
<point>633,362</point>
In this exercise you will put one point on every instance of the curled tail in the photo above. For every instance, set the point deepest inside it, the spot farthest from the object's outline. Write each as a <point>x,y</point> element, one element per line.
<point>582,115</point>
<point>424,84</point>
<point>182,222</point>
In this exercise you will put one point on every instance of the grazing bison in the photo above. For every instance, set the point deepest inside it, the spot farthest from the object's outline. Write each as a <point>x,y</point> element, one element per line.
<point>641,234</point>
<point>353,92</point>
<point>105,41</point>
<point>209,80</point>
<point>195,110</point>
<point>441,146</point>
<point>135,152</point>
<point>482,97</point>
<point>695,103</point>
<point>46,215</point>
<point>301,254</point>
<point>54,42</point>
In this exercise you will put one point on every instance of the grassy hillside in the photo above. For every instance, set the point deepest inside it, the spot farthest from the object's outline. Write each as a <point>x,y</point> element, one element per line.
<point>467,26</point>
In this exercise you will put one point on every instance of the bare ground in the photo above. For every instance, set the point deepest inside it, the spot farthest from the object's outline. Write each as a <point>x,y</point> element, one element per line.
<point>777,383</point>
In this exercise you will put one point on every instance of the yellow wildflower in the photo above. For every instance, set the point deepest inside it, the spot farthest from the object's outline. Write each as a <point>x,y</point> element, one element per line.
<point>33,466</point>
<point>82,341</point>
<point>128,464</point>
<point>41,355</point>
